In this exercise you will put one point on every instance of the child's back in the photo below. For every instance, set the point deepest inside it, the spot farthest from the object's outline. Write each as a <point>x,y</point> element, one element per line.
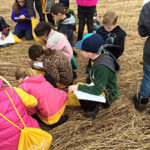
<point>59,67</point>
<point>51,101</point>
<point>58,41</point>
<point>67,26</point>
<point>54,39</point>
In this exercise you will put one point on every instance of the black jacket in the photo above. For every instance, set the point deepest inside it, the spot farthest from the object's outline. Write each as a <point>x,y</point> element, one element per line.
<point>144,30</point>
<point>115,37</point>
<point>67,26</point>
<point>4,27</point>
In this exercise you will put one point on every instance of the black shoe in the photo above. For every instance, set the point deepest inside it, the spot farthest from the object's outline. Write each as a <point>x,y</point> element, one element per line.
<point>74,75</point>
<point>92,114</point>
<point>88,69</point>
<point>62,120</point>
<point>140,104</point>
<point>75,53</point>
<point>42,18</point>
<point>107,104</point>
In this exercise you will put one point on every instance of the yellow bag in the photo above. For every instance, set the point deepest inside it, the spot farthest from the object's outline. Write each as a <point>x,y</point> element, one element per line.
<point>72,100</point>
<point>30,138</point>
<point>34,23</point>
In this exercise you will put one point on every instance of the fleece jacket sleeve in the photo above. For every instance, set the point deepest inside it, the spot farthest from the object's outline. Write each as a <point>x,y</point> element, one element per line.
<point>28,100</point>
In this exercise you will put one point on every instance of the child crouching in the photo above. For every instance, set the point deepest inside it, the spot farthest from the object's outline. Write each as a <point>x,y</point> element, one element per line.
<point>51,101</point>
<point>102,75</point>
<point>55,63</point>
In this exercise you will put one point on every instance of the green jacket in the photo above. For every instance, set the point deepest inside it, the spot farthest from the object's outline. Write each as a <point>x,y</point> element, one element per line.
<point>103,75</point>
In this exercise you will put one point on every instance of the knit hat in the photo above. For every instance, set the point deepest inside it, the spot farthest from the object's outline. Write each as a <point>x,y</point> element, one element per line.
<point>91,42</point>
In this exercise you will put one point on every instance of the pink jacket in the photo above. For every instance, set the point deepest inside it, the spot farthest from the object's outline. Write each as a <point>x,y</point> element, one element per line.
<point>50,99</point>
<point>87,3</point>
<point>58,41</point>
<point>9,134</point>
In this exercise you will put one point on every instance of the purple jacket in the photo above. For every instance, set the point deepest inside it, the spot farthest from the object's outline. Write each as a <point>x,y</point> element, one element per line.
<point>26,25</point>
<point>87,3</point>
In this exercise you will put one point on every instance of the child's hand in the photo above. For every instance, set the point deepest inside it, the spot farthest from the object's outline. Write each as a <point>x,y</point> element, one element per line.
<point>72,88</point>
<point>3,37</point>
<point>22,17</point>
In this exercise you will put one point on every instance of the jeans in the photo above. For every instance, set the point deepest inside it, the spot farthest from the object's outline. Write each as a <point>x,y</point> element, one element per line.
<point>145,83</point>
<point>85,15</point>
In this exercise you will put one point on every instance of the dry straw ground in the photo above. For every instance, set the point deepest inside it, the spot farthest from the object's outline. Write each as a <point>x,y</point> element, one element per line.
<point>120,127</point>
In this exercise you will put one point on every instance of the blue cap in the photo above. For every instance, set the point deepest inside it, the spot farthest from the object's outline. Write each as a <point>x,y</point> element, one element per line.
<point>91,42</point>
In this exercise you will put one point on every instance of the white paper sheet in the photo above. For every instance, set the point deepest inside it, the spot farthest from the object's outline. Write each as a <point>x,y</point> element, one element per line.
<point>38,64</point>
<point>9,39</point>
<point>86,96</point>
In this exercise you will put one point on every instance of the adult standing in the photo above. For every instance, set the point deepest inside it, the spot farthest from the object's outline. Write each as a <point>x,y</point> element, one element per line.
<point>142,98</point>
<point>38,7</point>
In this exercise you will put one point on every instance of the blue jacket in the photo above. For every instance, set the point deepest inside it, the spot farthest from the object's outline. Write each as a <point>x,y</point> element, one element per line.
<point>25,25</point>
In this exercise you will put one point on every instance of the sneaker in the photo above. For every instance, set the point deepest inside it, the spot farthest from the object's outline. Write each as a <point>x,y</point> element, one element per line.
<point>140,104</point>
<point>92,114</point>
<point>74,75</point>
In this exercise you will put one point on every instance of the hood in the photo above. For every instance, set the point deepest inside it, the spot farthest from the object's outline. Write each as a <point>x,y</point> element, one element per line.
<point>35,79</point>
<point>108,60</point>
<point>69,20</point>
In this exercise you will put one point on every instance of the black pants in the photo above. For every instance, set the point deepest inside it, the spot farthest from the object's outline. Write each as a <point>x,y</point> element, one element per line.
<point>38,6</point>
<point>85,15</point>
<point>26,33</point>
<point>88,105</point>
<point>50,79</point>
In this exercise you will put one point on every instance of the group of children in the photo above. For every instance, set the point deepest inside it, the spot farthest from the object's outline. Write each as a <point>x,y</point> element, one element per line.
<point>49,100</point>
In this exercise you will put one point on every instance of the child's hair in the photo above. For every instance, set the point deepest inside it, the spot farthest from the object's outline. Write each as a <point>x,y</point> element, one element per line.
<point>110,18</point>
<point>24,72</point>
<point>43,28</point>
<point>17,7</point>
<point>35,51</point>
<point>58,8</point>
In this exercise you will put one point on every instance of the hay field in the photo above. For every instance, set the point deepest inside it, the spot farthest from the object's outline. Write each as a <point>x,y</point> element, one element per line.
<point>120,127</point>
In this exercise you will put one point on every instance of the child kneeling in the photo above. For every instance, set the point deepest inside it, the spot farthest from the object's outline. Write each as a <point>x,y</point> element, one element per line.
<point>102,75</point>
<point>51,101</point>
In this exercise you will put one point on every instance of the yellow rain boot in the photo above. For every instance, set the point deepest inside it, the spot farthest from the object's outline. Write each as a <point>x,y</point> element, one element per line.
<point>16,38</point>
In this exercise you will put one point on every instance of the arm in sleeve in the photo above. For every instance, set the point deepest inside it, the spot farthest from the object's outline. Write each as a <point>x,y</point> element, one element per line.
<point>100,82</point>
<point>13,15</point>
<point>88,81</point>
<point>120,40</point>
<point>142,25</point>
<point>28,100</point>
